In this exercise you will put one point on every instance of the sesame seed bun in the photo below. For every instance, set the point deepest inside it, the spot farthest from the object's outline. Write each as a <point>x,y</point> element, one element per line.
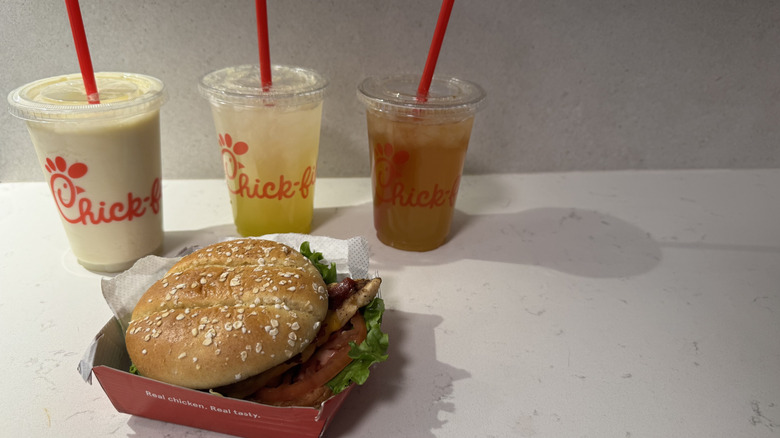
<point>227,312</point>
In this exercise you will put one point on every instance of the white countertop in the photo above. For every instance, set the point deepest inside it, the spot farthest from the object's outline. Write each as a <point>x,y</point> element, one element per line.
<point>610,304</point>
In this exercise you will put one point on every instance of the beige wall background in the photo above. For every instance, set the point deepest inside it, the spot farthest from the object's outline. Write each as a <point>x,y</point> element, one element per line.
<point>572,85</point>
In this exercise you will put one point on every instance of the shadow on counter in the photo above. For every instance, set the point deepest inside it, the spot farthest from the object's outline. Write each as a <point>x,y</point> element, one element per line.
<point>412,381</point>
<point>575,241</point>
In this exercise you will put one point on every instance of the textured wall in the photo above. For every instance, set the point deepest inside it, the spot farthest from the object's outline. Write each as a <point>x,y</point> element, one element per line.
<point>572,85</point>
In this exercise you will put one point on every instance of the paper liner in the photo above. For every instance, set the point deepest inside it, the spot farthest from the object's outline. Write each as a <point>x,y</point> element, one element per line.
<point>123,291</point>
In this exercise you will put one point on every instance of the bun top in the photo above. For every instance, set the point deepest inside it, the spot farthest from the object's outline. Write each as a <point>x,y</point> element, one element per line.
<point>225,313</point>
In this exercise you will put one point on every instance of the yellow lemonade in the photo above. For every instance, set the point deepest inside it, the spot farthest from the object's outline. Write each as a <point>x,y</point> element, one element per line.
<point>269,156</point>
<point>269,137</point>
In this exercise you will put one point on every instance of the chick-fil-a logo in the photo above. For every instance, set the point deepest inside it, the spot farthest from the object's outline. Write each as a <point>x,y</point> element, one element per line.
<point>76,206</point>
<point>244,186</point>
<point>388,169</point>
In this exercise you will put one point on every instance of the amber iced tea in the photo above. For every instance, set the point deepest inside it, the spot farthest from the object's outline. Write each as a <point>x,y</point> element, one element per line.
<point>418,148</point>
<point>415,172</point>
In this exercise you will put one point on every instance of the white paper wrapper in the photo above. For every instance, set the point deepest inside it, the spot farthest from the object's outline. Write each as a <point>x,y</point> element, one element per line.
<point>123,291</point>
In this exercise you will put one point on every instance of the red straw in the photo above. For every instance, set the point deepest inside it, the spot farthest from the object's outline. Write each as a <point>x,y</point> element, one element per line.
<point>433,53</point>
<point>82,50</point>
<point>262,38</point>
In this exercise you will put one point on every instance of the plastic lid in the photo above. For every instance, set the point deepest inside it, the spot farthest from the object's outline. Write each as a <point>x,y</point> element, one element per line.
<point>398,95</point>
<point>240,85</point>
<point>63,97</point>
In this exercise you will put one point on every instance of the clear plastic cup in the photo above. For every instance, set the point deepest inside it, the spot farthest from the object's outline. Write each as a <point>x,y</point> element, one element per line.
<point>417,148</point>
<point>269,142</point>
<point>101,162</point>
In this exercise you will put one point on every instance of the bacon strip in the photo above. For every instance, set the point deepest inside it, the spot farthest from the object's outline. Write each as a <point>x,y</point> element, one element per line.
<point>339,292</point>
<point>358,296</point>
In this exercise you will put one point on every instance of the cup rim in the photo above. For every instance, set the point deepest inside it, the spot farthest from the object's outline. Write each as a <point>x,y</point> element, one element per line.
<point>397,94</point>
<point>292,86</point>
<point>23,107</point>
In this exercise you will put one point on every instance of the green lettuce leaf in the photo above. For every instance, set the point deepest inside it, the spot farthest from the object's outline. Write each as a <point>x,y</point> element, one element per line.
<point>369,352</point>
<point>328,272</point>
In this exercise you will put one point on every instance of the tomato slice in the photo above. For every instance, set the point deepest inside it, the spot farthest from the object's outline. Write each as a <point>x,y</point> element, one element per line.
<point>323,366</point>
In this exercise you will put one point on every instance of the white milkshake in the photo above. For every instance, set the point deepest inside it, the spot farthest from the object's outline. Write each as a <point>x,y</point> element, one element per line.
<point>101,161</point>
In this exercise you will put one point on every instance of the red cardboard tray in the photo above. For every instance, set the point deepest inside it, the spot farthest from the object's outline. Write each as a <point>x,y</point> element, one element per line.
<point>136,395</point>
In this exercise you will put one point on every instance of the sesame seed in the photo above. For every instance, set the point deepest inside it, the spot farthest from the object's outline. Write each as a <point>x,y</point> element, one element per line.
<point>182,356</point>
<point>179,317</point>
<point>143,351</point>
